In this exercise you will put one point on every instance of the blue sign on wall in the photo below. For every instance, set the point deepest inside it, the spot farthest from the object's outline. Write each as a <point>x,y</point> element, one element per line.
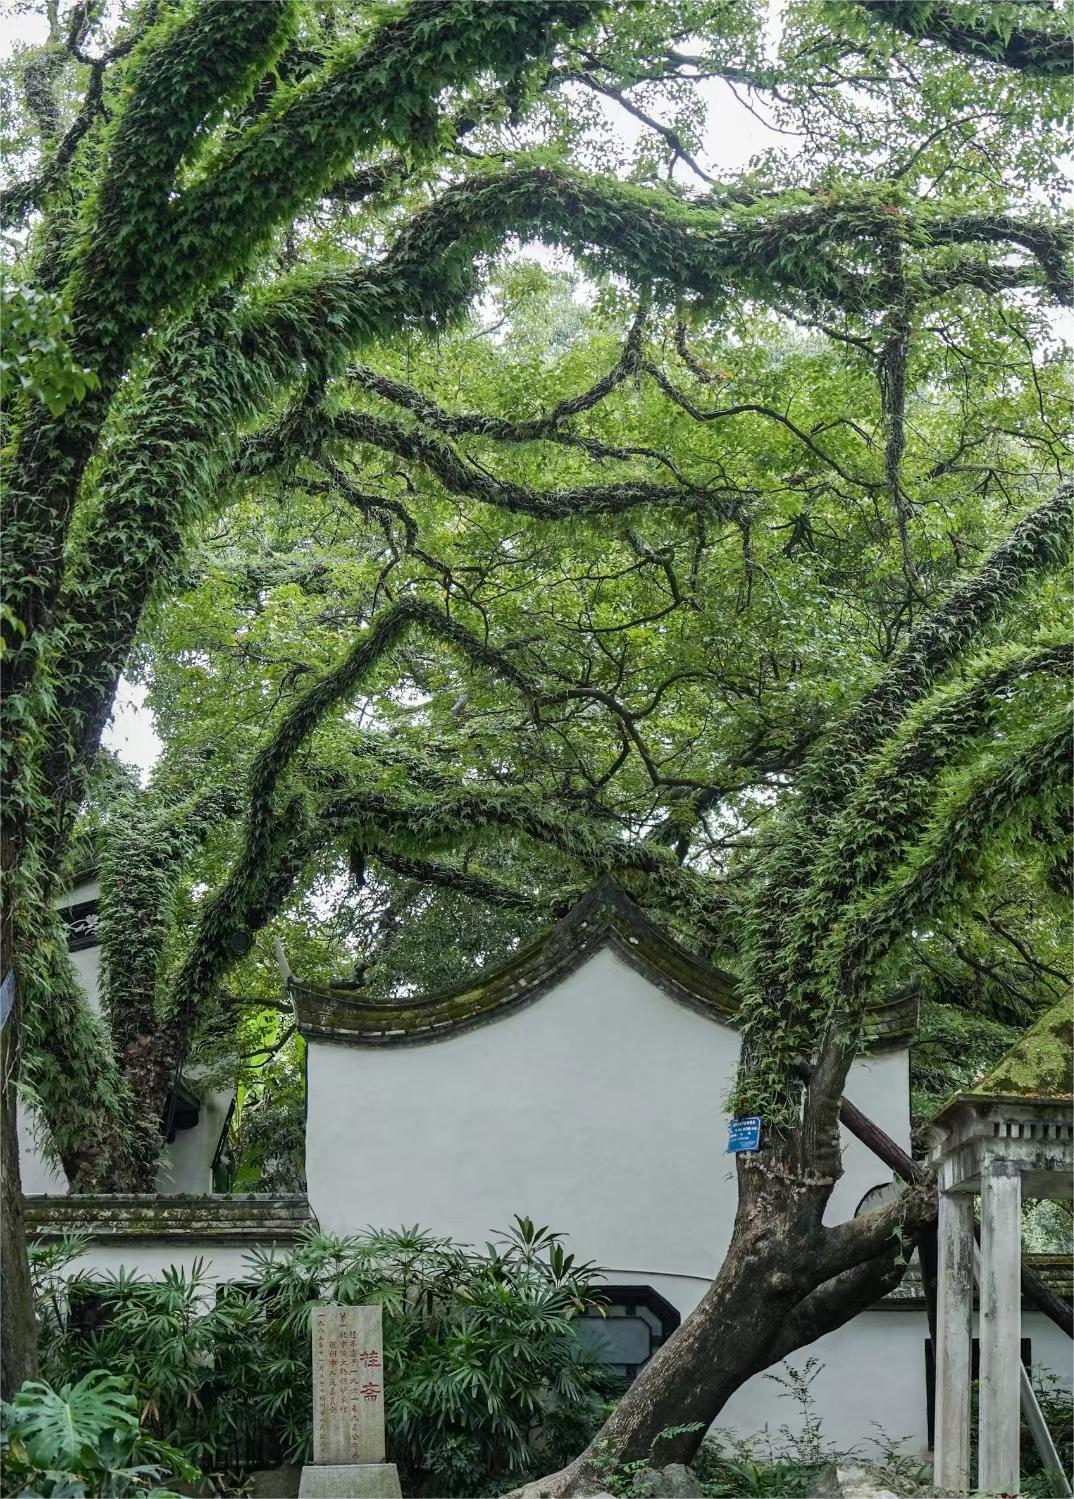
<point>744,1134</point>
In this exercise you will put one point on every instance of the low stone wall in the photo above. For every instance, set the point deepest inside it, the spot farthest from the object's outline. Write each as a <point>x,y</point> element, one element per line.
<point>252,1218</point>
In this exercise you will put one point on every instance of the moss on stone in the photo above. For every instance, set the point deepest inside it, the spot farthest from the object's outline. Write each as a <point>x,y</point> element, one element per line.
<point>604,917</point>
<point>1039,1064</point>
<point>243,1218</point>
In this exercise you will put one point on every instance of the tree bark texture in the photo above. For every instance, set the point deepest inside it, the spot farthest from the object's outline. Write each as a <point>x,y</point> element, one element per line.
<point>785,1281</point>
<point>18,1353</point>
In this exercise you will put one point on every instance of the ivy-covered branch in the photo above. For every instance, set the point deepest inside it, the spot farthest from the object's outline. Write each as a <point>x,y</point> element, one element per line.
<point>947,857</point>
<point>817,249</point>
<point>1031,777</point>
<point>149,250</point>
<point>974,32</point>
<point>159,477</point>
<point>477,886</point>
<point>498,429</point>
<point>415,826</point>
<point>887,811</point>
<point>791,997</point>
<point>266,832</point>
<point>1038,543</point>
<point>1048,244</point>
<point>420,824</point>
<point>146,850</point>
<point>459,477</point>
<point>68,1069</point>
<point>183,72</point>
<point>386,90</point>
<point>832,772</point>
<point>429,271</point>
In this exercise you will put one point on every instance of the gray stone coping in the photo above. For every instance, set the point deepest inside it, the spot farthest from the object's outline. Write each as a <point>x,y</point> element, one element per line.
<point>604,918</point>
<point>249,1218</point>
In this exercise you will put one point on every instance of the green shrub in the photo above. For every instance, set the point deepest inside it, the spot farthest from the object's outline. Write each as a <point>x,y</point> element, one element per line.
<point>84,1439</point>
<point>486,1380</point>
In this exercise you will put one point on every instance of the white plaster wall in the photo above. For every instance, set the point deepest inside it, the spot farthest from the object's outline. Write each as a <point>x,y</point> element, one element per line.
<point>599,1110</point>
<point>880,1086</point>
<point>87,961</point>
<point>187,1162</point>
<point>221,1262</point>
<point>873,1371</point>
<point>186,1165</point>
<point>36,1172</point>
<point>1051,1346</point>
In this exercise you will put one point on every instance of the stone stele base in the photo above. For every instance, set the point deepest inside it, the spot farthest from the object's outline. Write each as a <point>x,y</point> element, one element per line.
<point>350,1481</point>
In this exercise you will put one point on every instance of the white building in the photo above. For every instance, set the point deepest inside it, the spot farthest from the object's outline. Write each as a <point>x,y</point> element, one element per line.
<point>200,1118</point>
<point>584,1085</point>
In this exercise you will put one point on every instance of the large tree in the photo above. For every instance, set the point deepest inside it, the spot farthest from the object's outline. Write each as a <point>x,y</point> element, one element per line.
<point>236,203</point>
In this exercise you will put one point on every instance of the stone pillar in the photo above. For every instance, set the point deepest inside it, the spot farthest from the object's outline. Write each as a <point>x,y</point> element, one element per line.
<point>954,1343</point>
<point>1001,1326</point>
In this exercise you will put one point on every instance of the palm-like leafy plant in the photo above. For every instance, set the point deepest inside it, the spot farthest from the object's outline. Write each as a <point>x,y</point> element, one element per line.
<point>486,1380</point>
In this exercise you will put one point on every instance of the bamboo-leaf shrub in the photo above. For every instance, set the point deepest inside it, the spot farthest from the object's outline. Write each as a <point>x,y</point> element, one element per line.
<point>486,1379</point>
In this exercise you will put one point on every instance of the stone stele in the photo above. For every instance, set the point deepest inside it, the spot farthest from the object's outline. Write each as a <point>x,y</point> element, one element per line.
<point>348,1407</point>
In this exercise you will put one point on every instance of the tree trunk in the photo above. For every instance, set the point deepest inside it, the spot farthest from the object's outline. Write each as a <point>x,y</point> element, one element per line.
<point>18,1355</point>
<point>767,1272</point>
<point>786,1280</point>
<point>18,1333</point>
<point>128,1162</point>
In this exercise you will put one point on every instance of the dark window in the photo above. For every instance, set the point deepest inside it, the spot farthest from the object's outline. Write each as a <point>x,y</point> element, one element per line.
<point>184,1115</point>
<point>81,921</point>
<point>636,1321</point>
<point>975,1370</point>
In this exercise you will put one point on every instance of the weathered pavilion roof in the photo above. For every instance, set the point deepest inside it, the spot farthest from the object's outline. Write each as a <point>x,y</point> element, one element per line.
<point>605,918</point>
<point>1038,1065</point>
<point>1032,1082</point>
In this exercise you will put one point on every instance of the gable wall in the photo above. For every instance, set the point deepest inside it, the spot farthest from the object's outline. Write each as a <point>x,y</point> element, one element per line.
<point>598,1110</point>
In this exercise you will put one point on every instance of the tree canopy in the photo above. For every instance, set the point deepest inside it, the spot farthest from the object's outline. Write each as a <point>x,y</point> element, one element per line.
<point>489,505</point>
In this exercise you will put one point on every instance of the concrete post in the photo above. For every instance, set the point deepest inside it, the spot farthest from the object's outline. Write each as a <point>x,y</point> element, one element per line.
<point>954,1338</point>
<point>1001,1326</point>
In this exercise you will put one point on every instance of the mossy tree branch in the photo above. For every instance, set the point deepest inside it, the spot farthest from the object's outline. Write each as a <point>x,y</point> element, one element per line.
<point>427,273</point>
<point>794,1006</point>
<point>1036,51</point>
<point>414,825</point>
